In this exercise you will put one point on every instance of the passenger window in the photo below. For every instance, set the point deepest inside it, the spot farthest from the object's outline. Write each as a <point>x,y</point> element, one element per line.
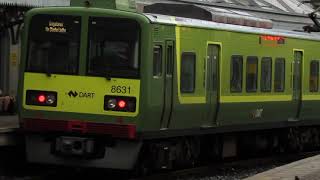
<point>252,73</point>
<point>279,75</point>
<point>266,74</point>
<point>157,61</point>
<point>187,81</point>
<point>236,70</point>
<point>314,76</point>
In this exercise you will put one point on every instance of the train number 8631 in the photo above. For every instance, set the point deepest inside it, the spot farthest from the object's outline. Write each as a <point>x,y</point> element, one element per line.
<point>121,89</point>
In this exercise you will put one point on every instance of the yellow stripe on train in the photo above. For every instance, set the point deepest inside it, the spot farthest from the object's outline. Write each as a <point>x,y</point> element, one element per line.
<point>261,98</point>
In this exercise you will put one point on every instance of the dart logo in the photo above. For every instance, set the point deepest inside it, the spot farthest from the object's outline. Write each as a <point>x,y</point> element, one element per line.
<point>80,94</point>
<point>72,93</point>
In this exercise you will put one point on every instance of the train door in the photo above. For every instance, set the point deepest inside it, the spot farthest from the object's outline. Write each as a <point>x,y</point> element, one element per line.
<point>4,62</point>
<point>168,84</point>
<point>212,81</point>
<point>297,80</point>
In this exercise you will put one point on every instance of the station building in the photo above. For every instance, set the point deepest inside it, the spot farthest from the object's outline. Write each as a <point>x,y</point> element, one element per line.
<point>11,23</point>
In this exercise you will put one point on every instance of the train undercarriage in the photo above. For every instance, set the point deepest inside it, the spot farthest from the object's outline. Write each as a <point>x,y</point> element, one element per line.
<point>169,153</point>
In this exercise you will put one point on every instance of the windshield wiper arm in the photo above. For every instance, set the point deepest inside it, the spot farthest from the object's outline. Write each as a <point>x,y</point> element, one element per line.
<point>108,73</point>
<point>48,73</point>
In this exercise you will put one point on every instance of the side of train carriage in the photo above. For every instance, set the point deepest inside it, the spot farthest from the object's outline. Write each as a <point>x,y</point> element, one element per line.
<point>101,86</point>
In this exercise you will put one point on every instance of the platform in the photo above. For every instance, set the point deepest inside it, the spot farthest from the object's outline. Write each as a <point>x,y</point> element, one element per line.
<point>8,125</point>
<point>305,169</point>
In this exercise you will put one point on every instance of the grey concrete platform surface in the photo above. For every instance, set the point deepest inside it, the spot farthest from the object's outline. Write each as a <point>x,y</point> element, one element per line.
<point>305,169</point>
<point>8,125</point>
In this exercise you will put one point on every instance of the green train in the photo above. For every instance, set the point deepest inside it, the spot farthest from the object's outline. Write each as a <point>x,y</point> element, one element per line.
<point>110,87</point>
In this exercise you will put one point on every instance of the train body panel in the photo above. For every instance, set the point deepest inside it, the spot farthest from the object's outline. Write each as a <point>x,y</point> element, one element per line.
<point>247,106</point>
<point>167,77</point>
<point>82,91</point>
<point>158,86</point>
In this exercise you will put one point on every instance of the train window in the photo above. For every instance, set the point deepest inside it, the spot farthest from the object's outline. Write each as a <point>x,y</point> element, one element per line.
<point>236,71</point>
<point>252,74</point>
<point>188,68</point>
<point>157,60</point>
<point>314,76</point>
<point>113,51</point>
<point>54,44</point>
<point>266,74</point>
<point>279,75</point>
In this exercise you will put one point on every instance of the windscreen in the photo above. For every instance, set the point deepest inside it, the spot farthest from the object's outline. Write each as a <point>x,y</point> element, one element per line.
<point>53,44</point>
<point>113,47</point>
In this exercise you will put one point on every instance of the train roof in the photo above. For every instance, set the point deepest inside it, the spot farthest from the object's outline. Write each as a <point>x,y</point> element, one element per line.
<point>35,3</point>
<point>182,21</point>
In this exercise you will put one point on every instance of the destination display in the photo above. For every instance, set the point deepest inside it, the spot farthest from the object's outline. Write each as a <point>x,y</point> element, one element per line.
<point>269,40</point>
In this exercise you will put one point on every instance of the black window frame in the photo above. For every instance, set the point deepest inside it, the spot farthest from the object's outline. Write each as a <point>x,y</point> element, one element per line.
<point>268,62</point>
<point>283,81</point>
<point>311,74</point>
<point>233,81</point>
<point>183,60</point>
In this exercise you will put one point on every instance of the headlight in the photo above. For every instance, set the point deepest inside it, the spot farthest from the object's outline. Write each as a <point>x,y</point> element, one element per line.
<point>112,103</point>
<point>51,99</point>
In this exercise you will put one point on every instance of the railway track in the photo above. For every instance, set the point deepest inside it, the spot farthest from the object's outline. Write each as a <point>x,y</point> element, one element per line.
<point>237,169</point>
<point>229,169</point>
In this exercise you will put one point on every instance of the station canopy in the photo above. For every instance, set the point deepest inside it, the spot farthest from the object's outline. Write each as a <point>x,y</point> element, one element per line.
<point>284,14</point>
<point>279,6</point>
<point>288,6</point>
<point>34,3</point>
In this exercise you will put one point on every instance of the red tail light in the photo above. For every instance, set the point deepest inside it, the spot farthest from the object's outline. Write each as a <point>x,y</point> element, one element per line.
<point>41,98</point>
<point>122,104</point>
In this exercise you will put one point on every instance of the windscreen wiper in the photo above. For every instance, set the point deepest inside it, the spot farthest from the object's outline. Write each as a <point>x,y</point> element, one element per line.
<point>108,73</point>
<point>47,70</point>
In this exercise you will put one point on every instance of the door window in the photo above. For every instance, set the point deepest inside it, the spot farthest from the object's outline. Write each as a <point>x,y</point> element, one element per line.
<point>314,76</point>
<point>169,59</point>
<point>157,61</point>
